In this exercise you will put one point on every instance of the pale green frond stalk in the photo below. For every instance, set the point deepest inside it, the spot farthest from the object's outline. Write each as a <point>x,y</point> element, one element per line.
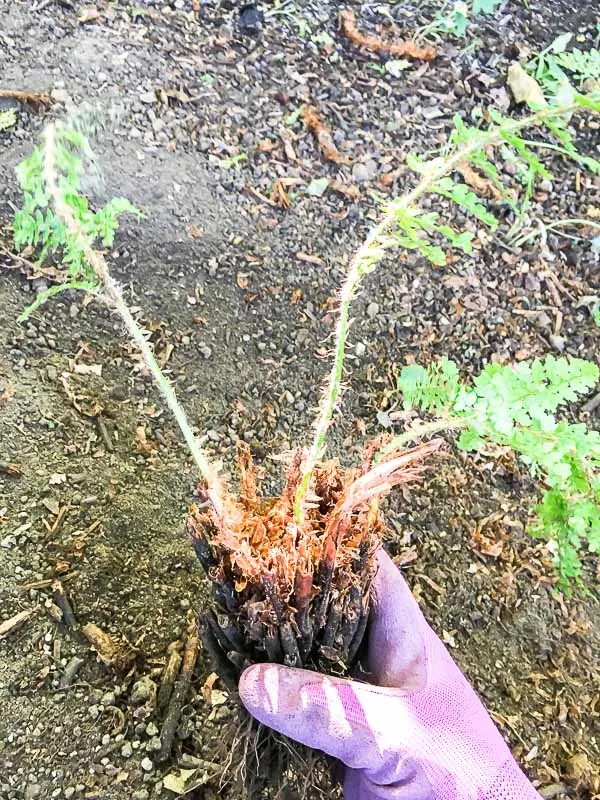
<point>113,297</point>
<point>370,254</point>
<point>416,432</point>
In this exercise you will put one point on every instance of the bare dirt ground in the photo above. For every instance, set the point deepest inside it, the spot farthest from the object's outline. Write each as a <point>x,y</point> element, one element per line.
<point>194,121</point>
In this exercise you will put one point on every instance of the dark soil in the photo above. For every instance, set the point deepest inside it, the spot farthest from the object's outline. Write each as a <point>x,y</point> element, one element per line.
<point>239,296</point>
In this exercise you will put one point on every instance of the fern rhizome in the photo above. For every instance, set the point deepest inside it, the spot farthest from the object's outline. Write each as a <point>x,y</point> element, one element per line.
<point>291,575</point>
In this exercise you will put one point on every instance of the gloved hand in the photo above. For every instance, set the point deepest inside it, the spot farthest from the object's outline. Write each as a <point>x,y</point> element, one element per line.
<point>417,732</point>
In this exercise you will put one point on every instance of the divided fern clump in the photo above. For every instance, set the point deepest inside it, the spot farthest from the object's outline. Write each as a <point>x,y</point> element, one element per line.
<point>291,575</point>
<point>515,407</point>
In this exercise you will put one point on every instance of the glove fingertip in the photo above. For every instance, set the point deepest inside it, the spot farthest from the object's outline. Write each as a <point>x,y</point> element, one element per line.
<point>251,680</point>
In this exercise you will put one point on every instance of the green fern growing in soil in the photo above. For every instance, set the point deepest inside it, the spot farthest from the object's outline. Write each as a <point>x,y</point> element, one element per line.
<point>56,219</point>
<point>556,67</point>
<point>515,407</point>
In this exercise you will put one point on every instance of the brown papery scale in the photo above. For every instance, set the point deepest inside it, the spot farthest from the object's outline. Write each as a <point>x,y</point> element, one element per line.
<point>289,593</point>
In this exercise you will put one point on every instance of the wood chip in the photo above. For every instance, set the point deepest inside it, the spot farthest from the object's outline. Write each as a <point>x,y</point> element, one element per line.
<point>12,624</point>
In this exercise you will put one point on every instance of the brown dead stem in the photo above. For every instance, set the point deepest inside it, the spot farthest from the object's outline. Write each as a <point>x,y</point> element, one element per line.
<point>315,125</point>
<point>398,49</point>
<point>35,98</point>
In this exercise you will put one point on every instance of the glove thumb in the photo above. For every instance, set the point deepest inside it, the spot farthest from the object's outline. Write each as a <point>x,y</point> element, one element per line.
<point>343,718</point>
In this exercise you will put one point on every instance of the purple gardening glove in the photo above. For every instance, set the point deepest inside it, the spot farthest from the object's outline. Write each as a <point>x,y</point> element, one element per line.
<point>418,732</point>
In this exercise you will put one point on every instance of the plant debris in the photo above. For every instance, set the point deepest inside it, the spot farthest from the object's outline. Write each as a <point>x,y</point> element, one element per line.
<point>313,122</point>
<point>114,653</point>
<point>35,98</point>
<point>8,626</point>
<point>377,45</point>
<point>482,186</point>
<point>524,87</point>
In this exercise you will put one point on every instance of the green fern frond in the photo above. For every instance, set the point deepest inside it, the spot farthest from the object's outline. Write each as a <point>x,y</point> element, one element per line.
<point>514,407</point>
<point>433,389</point>
<point>584,65</point>
<point>460,194</point>
<point>36,224</point>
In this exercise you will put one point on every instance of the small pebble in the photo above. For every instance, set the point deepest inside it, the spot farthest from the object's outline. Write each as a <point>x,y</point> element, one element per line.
<point>143,691</point>
<point>154,745</point>
<point>147,765</point>
<point>557,342</point>
<point>127,750</point>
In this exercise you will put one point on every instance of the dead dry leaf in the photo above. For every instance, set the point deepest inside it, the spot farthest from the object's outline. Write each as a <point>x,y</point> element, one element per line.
<point>279,194</point>
<point>349,190</point>
<point>323,136</point>
<point>524,87</point>
<point>194,232</point>
<point>483,186</point>
<point>242,279</point>
<point>113,652</point>
<point>267,146</point>
<point>483,540</point>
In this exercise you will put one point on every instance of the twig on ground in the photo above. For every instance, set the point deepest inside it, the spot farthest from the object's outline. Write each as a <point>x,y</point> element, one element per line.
<point>180,692</point>
<point>104,434</point>
<point>13,623</point>
<point>62,601</point>
<point>70,673</point>
<point>169,676</point>
<point>37,98</point>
